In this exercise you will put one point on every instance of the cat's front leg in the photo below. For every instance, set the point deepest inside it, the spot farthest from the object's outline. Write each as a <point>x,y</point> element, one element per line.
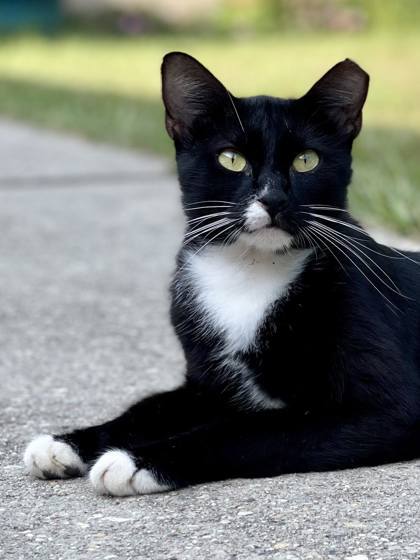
<point>211,451</point>
<point>153,419</point>
<point>251,446</point>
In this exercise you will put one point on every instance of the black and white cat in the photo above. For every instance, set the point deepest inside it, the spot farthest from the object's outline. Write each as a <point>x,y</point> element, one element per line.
<point>301,333</point>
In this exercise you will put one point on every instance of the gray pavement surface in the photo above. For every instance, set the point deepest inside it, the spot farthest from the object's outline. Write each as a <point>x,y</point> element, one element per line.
<point>88,237</point>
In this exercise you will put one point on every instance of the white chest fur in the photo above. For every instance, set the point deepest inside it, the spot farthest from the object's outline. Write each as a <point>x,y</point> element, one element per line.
<point>235,287</point>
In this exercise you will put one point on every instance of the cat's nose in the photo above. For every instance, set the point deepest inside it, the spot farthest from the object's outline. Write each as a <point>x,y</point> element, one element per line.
<point>274,201</point>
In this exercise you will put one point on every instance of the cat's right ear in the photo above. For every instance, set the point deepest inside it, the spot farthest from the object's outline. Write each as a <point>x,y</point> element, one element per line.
<point>340,94</point>
<point>189,92</point>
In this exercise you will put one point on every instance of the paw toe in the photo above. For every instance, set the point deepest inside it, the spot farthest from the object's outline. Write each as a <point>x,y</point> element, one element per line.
<point>115,473</point>
<point>48,458</point>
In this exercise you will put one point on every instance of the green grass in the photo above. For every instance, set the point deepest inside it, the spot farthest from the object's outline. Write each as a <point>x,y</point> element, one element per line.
<point>109,89</point>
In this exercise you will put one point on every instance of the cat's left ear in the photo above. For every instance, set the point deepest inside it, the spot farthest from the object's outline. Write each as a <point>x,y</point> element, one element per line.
<point>190,92</point>
<point>340,94</point>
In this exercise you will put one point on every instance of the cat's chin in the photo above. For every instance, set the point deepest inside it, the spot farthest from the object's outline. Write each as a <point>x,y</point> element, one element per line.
<point>269,239</point>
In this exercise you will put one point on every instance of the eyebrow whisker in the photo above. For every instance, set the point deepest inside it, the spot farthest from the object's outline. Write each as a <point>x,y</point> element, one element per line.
<point>236,112</point>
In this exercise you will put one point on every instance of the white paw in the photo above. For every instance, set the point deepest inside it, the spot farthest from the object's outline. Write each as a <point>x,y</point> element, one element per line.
<point>47,458</point>
<point>115,473</point>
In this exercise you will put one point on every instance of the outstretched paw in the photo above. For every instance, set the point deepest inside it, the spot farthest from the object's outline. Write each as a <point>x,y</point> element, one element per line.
<point>115,473</point>
<point>48,458</point>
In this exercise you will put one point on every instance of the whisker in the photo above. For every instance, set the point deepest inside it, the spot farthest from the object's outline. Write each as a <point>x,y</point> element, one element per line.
<point>322,234</point>
<point>319,238</point>
<point>345,238</point>
<point>207,216</point>
<point>231,236</point>
<point>303,236</point>
<point>336,221</point>
<point>363,232</point>
<point>186,263</point>
<point>198,227</point>
<point>358,242</point>
<point>206,207</point>
<point>206,228</point>
<point>403,255</point>
<point>320,207</point>
<point>333,242</point>
<point>314,239</point>
<point>203,228</point>
<point>210,202</point>
<point>346,244</point>
<point>236,112</point>
<point>213,238</point>
<point>244,253</point>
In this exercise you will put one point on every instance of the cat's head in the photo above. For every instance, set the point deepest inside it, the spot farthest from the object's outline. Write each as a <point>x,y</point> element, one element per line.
<point>250,168</point>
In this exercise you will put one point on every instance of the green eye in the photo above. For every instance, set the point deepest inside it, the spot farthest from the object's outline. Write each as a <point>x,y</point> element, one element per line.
<point>233,161</point>
<point>306,161</point>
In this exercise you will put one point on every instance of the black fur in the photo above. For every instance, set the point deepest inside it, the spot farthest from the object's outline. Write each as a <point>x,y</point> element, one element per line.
<point>341,350</point>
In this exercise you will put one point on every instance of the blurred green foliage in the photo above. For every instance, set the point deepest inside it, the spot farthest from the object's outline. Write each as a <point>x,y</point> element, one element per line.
<point>383,14</point>
<point>249,16</point>
<point>350,15</point>
<point>214,17</point>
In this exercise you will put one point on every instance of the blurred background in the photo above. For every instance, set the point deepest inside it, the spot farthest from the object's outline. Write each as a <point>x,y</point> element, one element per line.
<point>91,67</point>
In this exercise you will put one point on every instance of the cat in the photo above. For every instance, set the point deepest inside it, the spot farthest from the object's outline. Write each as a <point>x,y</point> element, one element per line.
<point>301,334</point>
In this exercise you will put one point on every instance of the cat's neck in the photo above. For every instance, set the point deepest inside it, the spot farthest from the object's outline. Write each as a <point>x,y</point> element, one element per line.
<point>236,285</point>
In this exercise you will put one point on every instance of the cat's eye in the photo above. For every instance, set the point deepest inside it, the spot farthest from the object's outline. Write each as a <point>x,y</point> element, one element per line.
<point>231,160</point>
<point>306,161</point>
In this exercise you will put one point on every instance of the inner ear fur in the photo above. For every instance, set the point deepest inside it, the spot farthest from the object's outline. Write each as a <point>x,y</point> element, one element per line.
<point>189,91</point>
<point>340,94</point>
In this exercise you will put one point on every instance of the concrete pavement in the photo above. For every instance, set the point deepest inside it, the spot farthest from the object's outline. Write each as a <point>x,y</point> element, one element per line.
<point>88,237</point>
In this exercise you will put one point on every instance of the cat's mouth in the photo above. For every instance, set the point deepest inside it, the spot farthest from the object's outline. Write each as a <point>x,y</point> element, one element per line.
<point>262,233</point>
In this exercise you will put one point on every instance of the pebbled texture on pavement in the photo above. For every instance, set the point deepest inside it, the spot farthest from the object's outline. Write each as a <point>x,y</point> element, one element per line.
<point>84,270</point>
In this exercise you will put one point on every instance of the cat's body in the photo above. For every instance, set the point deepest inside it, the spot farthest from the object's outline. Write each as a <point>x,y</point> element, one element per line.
<point>224,298</point>
<point>301,333</point>
<point>273,331</point>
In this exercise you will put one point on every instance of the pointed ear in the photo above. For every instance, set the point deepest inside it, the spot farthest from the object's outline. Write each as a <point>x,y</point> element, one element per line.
<point>340,95</point>
<point>189,91</point>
